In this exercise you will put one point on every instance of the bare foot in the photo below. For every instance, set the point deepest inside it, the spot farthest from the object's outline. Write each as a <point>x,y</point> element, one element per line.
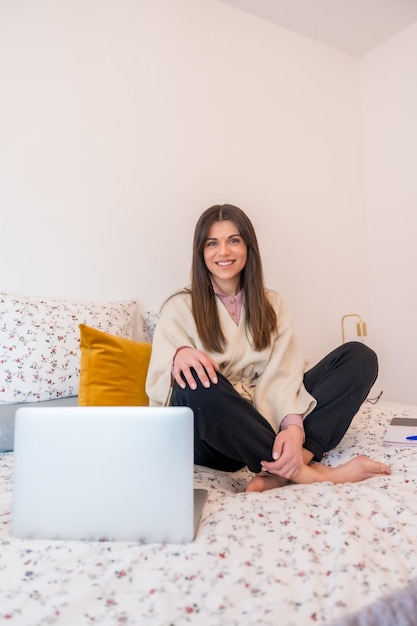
<point>357,469</point>
<point>264,481</point>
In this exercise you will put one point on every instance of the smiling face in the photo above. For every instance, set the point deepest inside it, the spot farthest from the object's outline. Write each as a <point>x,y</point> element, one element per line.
<point>225,255</point>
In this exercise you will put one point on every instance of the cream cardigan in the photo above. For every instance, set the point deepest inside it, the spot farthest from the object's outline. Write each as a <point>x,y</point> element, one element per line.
<point>272,379</point>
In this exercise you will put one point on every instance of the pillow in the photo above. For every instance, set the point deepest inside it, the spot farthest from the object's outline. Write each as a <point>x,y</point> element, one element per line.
<point>39,343</point>
<point>8,414</point>
<point>149,321</point>
<point>113,369</point>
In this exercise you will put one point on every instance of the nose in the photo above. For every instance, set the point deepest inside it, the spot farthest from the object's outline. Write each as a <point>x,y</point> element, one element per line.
<point>224,248</point>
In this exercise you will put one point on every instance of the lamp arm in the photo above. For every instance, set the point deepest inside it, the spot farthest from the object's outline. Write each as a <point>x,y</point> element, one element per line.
<point>361,326</point>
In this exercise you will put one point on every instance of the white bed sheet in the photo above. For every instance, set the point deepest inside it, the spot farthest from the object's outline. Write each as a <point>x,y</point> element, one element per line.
<point>299,555</point>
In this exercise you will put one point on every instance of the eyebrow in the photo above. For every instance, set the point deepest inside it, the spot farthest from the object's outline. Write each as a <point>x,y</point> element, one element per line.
<point>228,237</point>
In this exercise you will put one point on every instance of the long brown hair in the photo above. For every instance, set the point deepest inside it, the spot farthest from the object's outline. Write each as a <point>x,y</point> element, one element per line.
<point>261,319</point>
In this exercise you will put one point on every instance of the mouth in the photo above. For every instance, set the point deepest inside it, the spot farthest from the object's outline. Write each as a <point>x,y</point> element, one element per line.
<point>224,263</point>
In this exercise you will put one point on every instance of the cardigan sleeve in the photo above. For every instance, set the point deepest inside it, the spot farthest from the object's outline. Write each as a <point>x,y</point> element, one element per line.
<point>175,328</point>
<point>279,389</point>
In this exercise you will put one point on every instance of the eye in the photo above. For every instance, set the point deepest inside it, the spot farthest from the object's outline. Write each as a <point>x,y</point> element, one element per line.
<point>210,243</point>
<point>235,240</point>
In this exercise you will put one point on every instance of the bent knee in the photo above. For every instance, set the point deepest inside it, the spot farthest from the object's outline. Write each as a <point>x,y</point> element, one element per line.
<point>363,356</point>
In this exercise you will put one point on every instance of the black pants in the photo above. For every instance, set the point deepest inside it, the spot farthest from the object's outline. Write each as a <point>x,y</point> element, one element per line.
<point>230,433</point>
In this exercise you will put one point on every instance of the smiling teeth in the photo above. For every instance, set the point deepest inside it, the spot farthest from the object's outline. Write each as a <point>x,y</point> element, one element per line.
<point>224,263</point>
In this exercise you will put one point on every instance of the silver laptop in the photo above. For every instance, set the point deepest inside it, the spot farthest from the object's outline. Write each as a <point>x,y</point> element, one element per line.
<point>105,473</point>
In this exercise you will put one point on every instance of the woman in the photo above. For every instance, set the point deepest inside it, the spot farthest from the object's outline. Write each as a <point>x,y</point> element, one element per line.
<point>227,346</point>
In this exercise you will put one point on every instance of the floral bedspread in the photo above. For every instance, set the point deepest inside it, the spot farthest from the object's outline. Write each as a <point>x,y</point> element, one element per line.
<point>299,555</point>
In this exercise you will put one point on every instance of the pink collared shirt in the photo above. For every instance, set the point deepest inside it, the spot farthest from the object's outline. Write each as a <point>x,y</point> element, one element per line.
<point>233,304</point>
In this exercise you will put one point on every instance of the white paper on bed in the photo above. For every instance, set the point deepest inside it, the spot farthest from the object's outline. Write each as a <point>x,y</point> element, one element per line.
<point>402,431</point>
<point>114,473</point>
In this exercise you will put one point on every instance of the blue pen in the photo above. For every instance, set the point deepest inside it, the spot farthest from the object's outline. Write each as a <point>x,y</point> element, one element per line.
<point>412,438</point>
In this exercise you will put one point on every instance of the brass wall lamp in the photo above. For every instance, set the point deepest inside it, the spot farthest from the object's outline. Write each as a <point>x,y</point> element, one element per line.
<point>360,326</point>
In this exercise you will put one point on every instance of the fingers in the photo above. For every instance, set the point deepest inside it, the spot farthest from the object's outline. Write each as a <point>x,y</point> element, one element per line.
<point>278,447</point>
<point>188,375</point>
<point>286,470</point>
<point>202,365</point>
<point>286,454</point>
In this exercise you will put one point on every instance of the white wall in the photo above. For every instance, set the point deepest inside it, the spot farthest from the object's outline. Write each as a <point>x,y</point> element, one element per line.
<point>390,135</point>
<point>122,120</point>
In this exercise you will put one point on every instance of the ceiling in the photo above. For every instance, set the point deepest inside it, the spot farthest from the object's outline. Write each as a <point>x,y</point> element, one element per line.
<point>352,26</point>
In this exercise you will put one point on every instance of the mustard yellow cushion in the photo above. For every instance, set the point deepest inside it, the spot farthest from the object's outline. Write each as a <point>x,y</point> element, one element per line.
<point>112,369</point>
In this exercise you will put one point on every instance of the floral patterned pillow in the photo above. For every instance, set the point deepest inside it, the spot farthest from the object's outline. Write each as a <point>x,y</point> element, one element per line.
<point>40,343</point>
<point>150,320</point>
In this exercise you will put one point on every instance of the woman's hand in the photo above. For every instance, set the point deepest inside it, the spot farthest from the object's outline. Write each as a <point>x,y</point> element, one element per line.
<point>287,453</point>
<point>203,365</point>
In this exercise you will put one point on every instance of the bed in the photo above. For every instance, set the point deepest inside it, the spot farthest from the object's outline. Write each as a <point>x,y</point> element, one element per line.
<point>303,554</point>
<point>341,555</point>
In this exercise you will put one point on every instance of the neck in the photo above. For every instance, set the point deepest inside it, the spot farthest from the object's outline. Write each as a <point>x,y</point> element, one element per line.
<point>229,288</point>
